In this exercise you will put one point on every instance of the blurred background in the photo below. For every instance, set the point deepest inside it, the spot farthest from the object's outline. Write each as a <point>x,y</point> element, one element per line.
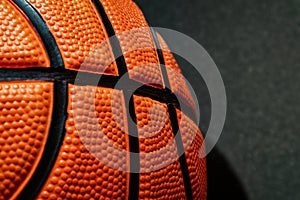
<point>256,46</point>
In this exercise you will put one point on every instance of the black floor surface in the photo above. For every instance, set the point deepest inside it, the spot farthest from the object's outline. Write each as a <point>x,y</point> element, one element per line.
<point>256,45</point>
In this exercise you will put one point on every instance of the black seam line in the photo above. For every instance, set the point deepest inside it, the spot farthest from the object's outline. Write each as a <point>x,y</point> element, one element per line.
<point>133,147</point>
<point>181,152</point>
<point>132,129</point>
<point>53,143</point>
<point>87,78</point>
<point>168,89</point>
<point>161,56</point>
<point>158,51</point>
<point>161,59</point>
<point>188,111</point>
<point>114,41</point>
<point>58,75</point>
<point>43,31</point>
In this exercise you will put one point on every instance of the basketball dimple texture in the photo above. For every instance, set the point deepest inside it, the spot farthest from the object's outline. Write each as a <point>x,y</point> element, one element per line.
<point>79,33</point>
<point>157,152</point>
<point>25,110</point>
<point>136,41</point>
<point>20,47</point>
<point>77,173</point>
<point>176,79</point>
<point>192,141</point>
<point>60,140</point>
<point>157,144</point>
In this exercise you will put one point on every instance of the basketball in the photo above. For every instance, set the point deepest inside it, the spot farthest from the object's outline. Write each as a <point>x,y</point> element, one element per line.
<point>91,106</point>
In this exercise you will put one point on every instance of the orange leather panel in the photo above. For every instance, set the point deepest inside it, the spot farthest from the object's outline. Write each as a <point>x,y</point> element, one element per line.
<point>190,133</point>
<point>176,79</point>
<point>137,44</point>
<point>20,46</point>
<point>77,174</point>
<point>25,115</point>
<point>79,33</point>
<point>157,149</point>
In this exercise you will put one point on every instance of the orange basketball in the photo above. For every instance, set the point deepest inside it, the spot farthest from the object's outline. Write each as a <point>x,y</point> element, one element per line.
<point>61,136</point>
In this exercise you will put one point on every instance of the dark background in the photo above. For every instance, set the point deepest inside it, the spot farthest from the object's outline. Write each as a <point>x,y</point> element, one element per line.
<point>256,46</point>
